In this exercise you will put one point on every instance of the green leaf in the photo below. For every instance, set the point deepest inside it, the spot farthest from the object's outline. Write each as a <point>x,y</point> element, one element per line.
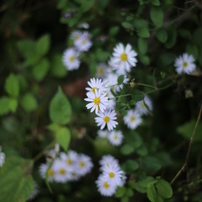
<point>143,32</point>
<point>43,45</point>
<point>186,130</point>
<point>146,181</point>
<point>151,164</point>
<point>120,79</point>
<point>57,67</point>
<point>114,31</point>
<point>197,39</point>
<point>16,179</point>
<point>162,35</point>
<point>142,151</point>
<point>144,59</point>
<point>28,102</point>
<point>137,95</point>
<point>185,33</point>
<point>120,192</point>
<point>12,86</point>
<point>172,36</point>
<point>63,137</point>
<point>40,70</point>
<point>13,104</point>
<point>127,25</point>
<point>26,47</point>
<point>142,45</point>
<point>156,15</point>
<point>127,149</point>
<point>4,105</point>
<point>87,5</point>
<point>192,50</point>
<point>151,193</point>
<point>60,109</point>
<point>155,2</point>
<point>130,166</point>
<point>164,188</point>
<point>54,127</point>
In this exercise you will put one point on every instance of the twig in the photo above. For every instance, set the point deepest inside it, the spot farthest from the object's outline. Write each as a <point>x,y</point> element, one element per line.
<point>189,148</point>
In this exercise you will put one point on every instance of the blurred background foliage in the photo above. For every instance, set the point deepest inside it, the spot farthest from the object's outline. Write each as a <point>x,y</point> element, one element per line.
<point>33,36</point>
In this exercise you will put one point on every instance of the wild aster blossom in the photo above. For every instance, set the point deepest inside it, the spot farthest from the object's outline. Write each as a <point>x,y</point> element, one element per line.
<point>101,70</point>
<point>108,160</point>
<point>98,101</point>
<point>2,157</point>
<point>111,102</point>
<point>123,58</point>
<point>51,172</point>
<point>83,25</point>
<point>102,133</point>
<point>141,108</point>
<point>132,119</point>
<point>76,35</point>
<point>185,64</point>
<point>115,137</point>
<point>70,59</point>
<point>108,118</point>
<point>95,84</point>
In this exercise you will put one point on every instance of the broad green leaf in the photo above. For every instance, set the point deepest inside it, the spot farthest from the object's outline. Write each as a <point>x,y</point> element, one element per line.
<point>127,149</point>
<point>63,137</point>
<point>60,109</point>
<point>146,181</point>
<point>143,32</point>
<point>186,130</point>
<point>113,30</point>
<point>129,192</point>
<point>151,192</point>
<point>192,50</point>
<point>40,70</point>
<point>156,15</point>
<point>12,86</point>
<point>142,151</point>
<point>162,35</point>
<point>172,37</point>
<point>61,4</point>
<point>140,23</point>
<point>92,68</point>
<point>13,104</point>
<point>151,164</point>
<point>87,5</point>
<point>120,79</point>
<point>197,39</point>
<point>184,33</point>
<point>120,192</point>
<point>144,59</point>
<point>155,2</point>
<point>43,45</point>
<point>142,45</point>
<point>54,127</point>
<point>130,166</point>
<point>28,102</point>
<point>137,95</point>
<point>164,188</point>
<point>4,105</point>
<point>26,47</point>
<point>57,67</point>
<point>16,180</point>
<point>127,25</point>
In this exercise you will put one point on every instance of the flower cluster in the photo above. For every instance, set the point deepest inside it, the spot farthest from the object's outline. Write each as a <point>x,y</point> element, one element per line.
<point>2,157</point>
<point>82,43</point>
<point>112,176</point>
<point>67,167</point>
<point>115,137</point>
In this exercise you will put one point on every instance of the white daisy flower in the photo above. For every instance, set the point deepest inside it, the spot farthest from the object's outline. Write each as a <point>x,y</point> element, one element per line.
<point>98,101</point>
<point>73,176</point>
<point>83,44</point>
<point>101,70</point>
<point>115,137</point>
<point>61,171</point>
<point>108,160</point>
<point>51,172</point>
<point>141,108</point>
<point>108,118</point>
<point>84,165</point>
<point>83,25</point>
<point>2,158</point>
<point>123,58</point>
<point>185,64</point>
<point>76,35</point>
<point>105,187</point>
<point>113,174</point>
<point>70,59</point>
<point>111,101</point>
<point>95,84</point>
<point>132,119</point>
<point>102,133</point>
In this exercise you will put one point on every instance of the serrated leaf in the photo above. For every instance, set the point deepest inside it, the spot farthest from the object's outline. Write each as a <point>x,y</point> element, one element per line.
<point>28,102</point>
<point>137,95</point>
<point>164,188</point>
<point>16,179</point>
<point>120,79</point>
<point>143,32</point>
<point>60,109</point>
<point>156,15</point>
<point>63,137</point>
<point>162,35</point>
<point>151,193</point>
<point>12,86</point>
<point>4,105</point>
<point>40,70</point>
<point>43,45</point>
<point>142,45</point>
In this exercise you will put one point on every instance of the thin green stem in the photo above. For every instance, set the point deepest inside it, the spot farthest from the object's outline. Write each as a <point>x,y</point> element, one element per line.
<point>146,85</point>
<point>122,95</point>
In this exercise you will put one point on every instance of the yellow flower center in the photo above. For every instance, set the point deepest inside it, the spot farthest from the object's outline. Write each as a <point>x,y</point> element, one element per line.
<point>123,57</point>
<point>84,42</point>
<point>100,71</point>
<point>72,58</point>
<point>50,173</point>
<point>111,174</point>
<point>94,88</point>
<point>82,164</point>
<point>62,171</point>
<point>106,185</point>
<point>185,64</point>
<point>96,100</point>
<point>132,118</point>
<point>106,119</point>
<point>115,137</point>
<point>77,37</point>
<point>69,161</point>
<point>142,105</point>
